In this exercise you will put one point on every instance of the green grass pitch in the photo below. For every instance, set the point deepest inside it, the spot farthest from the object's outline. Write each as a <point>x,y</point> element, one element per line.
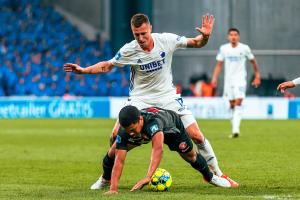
<point>60,159</point>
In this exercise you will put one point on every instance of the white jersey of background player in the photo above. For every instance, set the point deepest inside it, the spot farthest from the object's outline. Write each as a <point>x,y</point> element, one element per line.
<point>150,57</point>
<point>234,56</point>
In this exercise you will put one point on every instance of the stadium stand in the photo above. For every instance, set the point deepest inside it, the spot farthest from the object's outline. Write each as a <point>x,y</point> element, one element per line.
<point>35,42</point>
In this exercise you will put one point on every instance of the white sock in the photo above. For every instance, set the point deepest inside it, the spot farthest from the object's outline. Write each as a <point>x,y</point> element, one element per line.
<point>207,152</point>
<point>231,116</point>
<point>236,119</point>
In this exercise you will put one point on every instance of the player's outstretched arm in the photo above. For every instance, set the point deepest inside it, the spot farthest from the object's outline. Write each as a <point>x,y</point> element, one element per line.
<point>156,155</point>
<point>117,171</point>
<point>285,85</point>
<point>256,81</point>
<point>98,68</point>
<point>289,84</point>
<point>205,31</point>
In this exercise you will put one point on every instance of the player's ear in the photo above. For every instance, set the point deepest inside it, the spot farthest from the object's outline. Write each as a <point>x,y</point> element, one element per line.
<point>150,27</point>
<point>141,119</point>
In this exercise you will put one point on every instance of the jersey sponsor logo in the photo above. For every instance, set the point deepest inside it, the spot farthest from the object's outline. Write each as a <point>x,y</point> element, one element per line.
<point>139,61</point>
<point>234,58</point>
<point>154,128</point>
<point>153,66</point>
<point>118,55</point>
<point>183,147</point>
<point>118,139</point>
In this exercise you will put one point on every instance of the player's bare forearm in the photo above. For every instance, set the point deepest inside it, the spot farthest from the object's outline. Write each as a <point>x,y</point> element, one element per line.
<point>216,73</point>
<point>98,68</point>
<point>256,82</point>
<point>255,68</point>
<point>156,154</point>
<point>198,41</point>
<point>117,169</point>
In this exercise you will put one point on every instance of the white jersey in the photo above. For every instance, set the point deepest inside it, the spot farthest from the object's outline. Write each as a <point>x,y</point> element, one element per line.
<point>235,63</point>
<point>151,75</point>
<point>296,81</point>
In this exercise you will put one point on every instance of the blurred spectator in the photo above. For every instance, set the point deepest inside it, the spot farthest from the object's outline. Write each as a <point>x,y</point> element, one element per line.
<point>201,87</point>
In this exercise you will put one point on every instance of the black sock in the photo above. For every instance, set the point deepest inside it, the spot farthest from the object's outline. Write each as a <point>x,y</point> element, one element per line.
<point>201,165</point>
<point>107,165</point>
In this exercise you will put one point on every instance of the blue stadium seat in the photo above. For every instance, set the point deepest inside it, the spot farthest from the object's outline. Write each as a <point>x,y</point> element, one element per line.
<point>35,41</point>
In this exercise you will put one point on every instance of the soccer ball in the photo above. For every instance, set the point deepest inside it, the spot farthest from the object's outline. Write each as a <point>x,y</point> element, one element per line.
<point>160,181</point>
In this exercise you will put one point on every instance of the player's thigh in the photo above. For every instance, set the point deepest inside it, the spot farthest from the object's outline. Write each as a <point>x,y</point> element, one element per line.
<point>177,105</point>
<point>228,92</point>
<point>178,141</point>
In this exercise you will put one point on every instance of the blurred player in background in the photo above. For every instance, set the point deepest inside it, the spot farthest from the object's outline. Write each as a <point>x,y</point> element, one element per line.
<point>151,82</point>
<point>289,84</point>
<point>234,55</point>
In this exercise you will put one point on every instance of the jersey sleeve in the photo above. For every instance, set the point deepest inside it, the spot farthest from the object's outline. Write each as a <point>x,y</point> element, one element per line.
<point>220,55</point>
<point>249,53</point>
<point>175,41</point>
<point>122,140</point>
<point>153,126</point>
<point>122,57</point>
<point>296,81</point>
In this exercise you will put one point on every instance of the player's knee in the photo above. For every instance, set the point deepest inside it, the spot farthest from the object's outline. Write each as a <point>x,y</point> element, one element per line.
<point>192,156</point>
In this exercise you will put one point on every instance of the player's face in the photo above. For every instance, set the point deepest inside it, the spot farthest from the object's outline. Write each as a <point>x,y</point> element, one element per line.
<point>136,128</point>
<point>233,37</point>
<point>142,35</point>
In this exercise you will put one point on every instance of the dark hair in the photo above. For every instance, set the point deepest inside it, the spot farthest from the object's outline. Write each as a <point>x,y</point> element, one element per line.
<point>138,19</point>
<point>129,115</point>
<point>233,29</point>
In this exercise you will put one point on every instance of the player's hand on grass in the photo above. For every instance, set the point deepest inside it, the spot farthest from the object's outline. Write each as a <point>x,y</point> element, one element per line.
<point>285,85</point>
<point>139,185</point>
<point>256,82</point>
<point>110,192</point>
<point>207,25</point>
<point>71,67</point>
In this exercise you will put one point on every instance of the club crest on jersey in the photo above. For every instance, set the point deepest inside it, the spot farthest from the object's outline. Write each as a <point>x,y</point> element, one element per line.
<point>178,38</point>
<point>118,139</point>
<point>162,54</point>
<point>154,128</point>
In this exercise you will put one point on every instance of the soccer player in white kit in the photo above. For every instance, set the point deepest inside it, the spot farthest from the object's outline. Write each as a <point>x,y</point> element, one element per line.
<point>151,82</point>
<point>234,55</point>
<point>288,84</point>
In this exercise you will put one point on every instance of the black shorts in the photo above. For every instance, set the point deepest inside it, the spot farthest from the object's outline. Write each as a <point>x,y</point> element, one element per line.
<point>178,140</point>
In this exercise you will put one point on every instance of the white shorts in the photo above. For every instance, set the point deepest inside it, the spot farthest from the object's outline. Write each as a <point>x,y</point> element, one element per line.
<point>174,103</point>
<point>234,92</point>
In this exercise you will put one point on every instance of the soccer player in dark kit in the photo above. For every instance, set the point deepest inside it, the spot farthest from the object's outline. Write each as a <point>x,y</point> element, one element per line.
<point>158,126</point>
